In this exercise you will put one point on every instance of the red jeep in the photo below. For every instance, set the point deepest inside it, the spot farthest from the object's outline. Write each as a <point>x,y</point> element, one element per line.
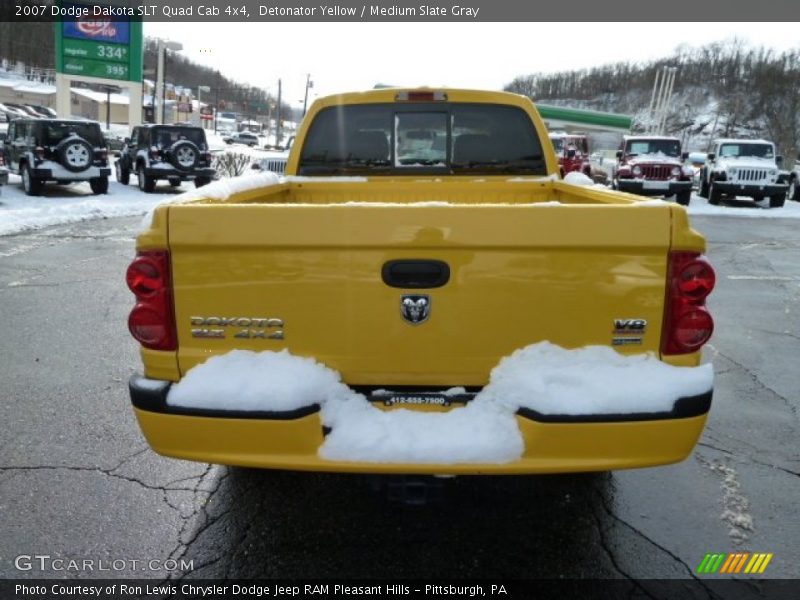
<point>653,166</point>
<point>572,151</point>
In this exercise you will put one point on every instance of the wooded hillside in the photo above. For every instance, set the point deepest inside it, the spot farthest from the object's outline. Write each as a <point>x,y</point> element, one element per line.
<point>749,90</point>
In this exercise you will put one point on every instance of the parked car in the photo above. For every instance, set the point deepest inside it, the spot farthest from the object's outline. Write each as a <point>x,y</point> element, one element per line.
<point>3,165</point>
<point>115,141</point>
<point>793,192</point>
<point>25,111</point>
<point>276,164</point>
<point>696,160</point>
<point>653,166</point>
<point>572,151</point>
<point>60,150</point>
<point>241,137</point>
<point>8,112</point>
<point>739,167</point>
<point>43,111</point>
<point>173,152</point>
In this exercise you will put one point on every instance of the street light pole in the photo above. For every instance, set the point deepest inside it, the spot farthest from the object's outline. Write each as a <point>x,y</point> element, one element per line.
<point>163,46</point>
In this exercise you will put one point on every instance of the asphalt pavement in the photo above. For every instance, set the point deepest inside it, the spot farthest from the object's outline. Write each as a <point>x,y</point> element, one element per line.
<point>77,480</point>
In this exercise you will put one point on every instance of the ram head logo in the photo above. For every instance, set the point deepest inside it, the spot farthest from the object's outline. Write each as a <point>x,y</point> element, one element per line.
<point>415,308</point>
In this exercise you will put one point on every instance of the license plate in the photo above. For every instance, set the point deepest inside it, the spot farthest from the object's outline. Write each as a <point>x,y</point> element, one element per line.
<point>427,399</point>
<point>655,185</point>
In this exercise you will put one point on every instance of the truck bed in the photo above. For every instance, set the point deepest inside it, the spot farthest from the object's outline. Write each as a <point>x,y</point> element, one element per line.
<point>310,254</point>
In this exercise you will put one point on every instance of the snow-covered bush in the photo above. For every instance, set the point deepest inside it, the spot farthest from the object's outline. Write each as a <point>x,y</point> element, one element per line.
<point>231,164</point>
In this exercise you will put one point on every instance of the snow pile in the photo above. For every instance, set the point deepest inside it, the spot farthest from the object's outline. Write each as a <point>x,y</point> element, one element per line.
<point>265,381</point>
<point>651,202</point>
<point>577,178</point>
<point>476,433</point>
<point>218,190</point>
<point>543,377</point>
<point>225,188</point>
<point>335,179</point>
<point>591,380</point>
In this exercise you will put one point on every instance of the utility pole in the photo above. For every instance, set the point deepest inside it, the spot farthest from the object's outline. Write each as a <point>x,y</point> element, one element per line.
<point>651,112</point>
<point>216,103</point>
<point>309,84</point>
<point>667,99</point>
<point>278,118</point>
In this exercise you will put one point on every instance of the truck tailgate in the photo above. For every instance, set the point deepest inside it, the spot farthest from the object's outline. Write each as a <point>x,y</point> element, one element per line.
<point>573,275</point>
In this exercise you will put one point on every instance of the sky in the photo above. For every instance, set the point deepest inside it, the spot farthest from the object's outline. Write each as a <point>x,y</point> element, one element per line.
<point>342,57</point>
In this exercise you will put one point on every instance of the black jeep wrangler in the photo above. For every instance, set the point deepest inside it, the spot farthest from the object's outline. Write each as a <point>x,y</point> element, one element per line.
<point>173,152</point>
<point>61,150</point>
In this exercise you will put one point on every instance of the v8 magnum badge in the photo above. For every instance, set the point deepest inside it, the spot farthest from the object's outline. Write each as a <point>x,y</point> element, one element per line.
<point>415,308</point>
<point>628,332</point>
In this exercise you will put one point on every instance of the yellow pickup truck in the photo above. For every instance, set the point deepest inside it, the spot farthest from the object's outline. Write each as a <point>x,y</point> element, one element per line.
<point>421,293</point>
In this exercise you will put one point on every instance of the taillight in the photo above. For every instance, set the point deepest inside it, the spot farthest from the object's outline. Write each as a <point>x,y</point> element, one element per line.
<point>687,323</point>
<point>696,279</point>
<point>152,320</point>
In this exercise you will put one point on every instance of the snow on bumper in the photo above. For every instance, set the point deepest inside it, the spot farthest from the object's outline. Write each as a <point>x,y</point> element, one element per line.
<point>164,171</point>
<point>553,421</point>
<point>52,171</point>
<point>750,189</point>
<point>646,187</point>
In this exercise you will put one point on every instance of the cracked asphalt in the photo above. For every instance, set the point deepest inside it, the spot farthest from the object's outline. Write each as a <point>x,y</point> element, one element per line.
<point>77,480</point>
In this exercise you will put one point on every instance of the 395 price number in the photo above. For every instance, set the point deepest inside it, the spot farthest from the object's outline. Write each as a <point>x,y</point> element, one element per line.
<point>117,70</point>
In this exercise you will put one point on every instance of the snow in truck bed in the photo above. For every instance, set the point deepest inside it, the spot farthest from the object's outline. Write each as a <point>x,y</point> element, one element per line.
<point>542,377</point>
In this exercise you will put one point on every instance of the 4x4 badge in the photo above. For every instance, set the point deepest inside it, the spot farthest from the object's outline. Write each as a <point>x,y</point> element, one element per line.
<point>415,308</point>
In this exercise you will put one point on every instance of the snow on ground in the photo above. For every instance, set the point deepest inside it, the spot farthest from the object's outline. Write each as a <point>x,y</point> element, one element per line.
<point>744,207</point>
<point>740,207</point>
<point>60,204</point>
<point>543,377</point>
<point>75,202</point>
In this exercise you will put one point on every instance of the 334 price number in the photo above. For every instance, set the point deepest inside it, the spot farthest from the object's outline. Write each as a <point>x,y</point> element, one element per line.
<point>112,52</point>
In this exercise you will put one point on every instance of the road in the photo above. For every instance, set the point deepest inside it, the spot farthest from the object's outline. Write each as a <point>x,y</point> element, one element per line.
<point>78,481</point>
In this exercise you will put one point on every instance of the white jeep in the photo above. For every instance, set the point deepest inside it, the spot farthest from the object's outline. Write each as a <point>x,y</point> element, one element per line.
<point>743,168</point>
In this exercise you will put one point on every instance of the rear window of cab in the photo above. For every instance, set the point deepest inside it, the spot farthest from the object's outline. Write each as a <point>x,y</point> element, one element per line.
<point>414,138</point>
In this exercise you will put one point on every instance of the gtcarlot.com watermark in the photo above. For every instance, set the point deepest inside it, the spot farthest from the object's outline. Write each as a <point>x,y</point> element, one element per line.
<point>47,563</point>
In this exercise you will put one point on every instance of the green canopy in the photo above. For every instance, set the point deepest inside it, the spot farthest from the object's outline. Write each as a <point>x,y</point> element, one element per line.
<point>561,117</point>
